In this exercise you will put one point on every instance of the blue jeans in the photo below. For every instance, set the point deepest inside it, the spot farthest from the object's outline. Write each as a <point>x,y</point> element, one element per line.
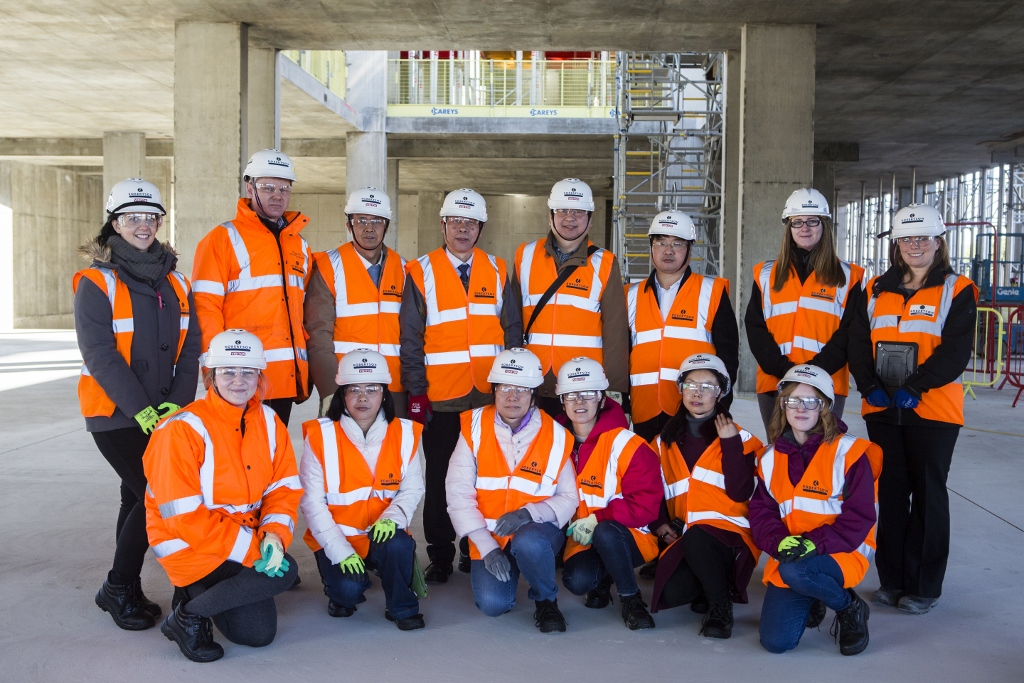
<point>784,612</point>
<point>612,553</point>
<point>531,552</point>
<point>393,562</point>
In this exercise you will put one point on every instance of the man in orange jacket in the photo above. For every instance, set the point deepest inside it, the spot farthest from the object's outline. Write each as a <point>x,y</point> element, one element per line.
<point>252,272</point>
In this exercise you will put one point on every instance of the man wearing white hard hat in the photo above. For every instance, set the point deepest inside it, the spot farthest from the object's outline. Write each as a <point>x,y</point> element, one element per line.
<point>458,313</point>
<point>572,295</point>
<point>363,480</point>
<point>251,272</point>
<point>515,526</point>
<point>354,296</point>
<point>674,314</point>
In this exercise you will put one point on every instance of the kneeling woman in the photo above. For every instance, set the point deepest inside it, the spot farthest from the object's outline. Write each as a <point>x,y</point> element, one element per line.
<point>707,464</point>
<point>222,503</point>
<point>619,483</point>
<point>813,512</point>
<point>363,479</point>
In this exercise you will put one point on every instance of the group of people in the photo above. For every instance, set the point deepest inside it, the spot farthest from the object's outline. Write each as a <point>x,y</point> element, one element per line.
<point>546,414</point>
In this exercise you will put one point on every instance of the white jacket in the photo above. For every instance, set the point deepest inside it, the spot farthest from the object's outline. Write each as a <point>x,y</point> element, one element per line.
<point>314,503</point>
<point>460,484</point>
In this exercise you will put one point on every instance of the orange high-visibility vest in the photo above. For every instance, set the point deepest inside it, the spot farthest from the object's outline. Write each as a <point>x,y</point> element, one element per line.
<point>244,277</point>
<point>803,317</point>
<point>818,499</point>
<point>660,346</point>
<point>356,496</point>
<point>699,497</point>
<point>534,478</point>
<point>569,325</point>
<point>600,482</point>
<point>213,491</point>
<point>920,319</point>
<point>463,330</point>
<point>93,400</point>
<point>366,315</point>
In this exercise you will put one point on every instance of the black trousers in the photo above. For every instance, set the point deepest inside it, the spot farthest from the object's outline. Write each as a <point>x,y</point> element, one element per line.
<point>281,406</point>
<point>439,440</point>
<point>123,449</point>
<point>707,568</point>
<point>913,506</point>
<point>649,429</point>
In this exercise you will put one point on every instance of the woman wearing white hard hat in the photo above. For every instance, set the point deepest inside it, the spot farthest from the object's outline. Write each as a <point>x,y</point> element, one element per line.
<point>813,513</point>
<point>363,479</point>
<point>222,503</point>
<point>674,314</point>
<point>139,337</point>
<point>803,302</point>
<point>620,493</point>
<point>511,489</point>
<point>708,464</point>
<point>909,346</point>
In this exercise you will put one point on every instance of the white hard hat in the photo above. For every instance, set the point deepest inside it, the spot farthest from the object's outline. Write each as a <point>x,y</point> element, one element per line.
<point>812,376</point>
<point>571,193</point>
<point>235,349</point>
<point>269,163</point>
<point>363,366</point>
<point>369,200</point>
<point>705,361</point>
<point>917,220</point>
<point>516,366</point>
<point>806,202</point>
<point>466,203</point>
<point>580,374</point>
<point>675,224</point>
<point>136,195</point>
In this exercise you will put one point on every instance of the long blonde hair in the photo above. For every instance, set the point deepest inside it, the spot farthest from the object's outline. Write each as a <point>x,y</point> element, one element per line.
<point>827,425</point>
<point>823,260</point>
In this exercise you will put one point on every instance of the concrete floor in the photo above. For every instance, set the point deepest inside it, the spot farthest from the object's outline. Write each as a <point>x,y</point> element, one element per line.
<point>56,541</point>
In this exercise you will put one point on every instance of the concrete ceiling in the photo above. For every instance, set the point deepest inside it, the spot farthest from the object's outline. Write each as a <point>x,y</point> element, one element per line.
<point>938,84</point>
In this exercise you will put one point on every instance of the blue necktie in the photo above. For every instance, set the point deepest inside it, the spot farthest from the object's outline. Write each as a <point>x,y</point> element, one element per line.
<point>464,275</point>
<point>375,271</point>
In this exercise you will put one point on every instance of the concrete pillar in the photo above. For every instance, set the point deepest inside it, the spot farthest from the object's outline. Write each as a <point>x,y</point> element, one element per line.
<point>428,223</point>
<point>6,250</point>
<point>210,128</point>
<point>730,173</point>
<point>825,182</point>
<point>776,151</point>
<point>366,162</point>
<point>124,156</point>
<point>391,239</point>
<point>263,101</point>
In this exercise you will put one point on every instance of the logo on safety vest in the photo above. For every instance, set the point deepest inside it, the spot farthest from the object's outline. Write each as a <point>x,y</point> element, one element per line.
<point>392,291</point>
<point>592,483</point>
<point>816,488</point>
<point>922,310</point>
<point>683,315</point>
<point>390,480</point>
<point>484,294</point>
<point>824,294</point>
<point>531,468</point>
<point>577,284</point>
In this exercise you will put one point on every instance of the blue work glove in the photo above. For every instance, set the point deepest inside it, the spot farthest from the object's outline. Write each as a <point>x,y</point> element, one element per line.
<point>273,562</point>
<point>793,548</point>
<point>510,522</point>
<point>382,530</point>
<point>904,399</point>
<point>878,398</point>
<point>496,562</point>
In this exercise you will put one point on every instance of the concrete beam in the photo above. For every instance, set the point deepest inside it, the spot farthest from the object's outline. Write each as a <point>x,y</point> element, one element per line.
<point>264,101</point>
<point>501,126</point>
<point>74,147</point>
<point>305,82</point>
<point>831,152</point>
<point>124,156</point>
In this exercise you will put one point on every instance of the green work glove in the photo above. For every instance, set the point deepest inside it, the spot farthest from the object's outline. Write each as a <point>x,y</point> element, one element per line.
<point>582,530</point>
<point>419,581</point>
<point>273,562</point>
<point>167,409</point>
<point>793,548</point>
<point>353,564</point>
<point>147,419</point>
<point>382,530</point>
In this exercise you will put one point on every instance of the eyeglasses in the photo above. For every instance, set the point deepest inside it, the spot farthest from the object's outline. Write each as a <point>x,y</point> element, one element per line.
<point>283,190</point>
<point>810,223</point>
<point>575,213</point>
<point>508,389</point>
<point>914,240</point>
<point>700,388</point>
<point>666,244</point>
<point>244,373</point>
<point>137,220</point>
<point>461,221</point>
<point>369,222</point>
<point>587,396</point>
<point>369,391</point>
<point>808,403</point>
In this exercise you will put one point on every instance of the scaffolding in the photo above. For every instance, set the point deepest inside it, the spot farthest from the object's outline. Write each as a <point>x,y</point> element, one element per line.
<point>668,153</point>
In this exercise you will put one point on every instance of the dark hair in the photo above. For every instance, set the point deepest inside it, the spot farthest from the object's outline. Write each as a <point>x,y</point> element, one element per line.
<point>338,407</point>
<point>676,425</point>
<point>107,231</point>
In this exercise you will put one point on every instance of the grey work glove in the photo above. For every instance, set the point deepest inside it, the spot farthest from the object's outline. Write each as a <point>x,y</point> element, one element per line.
<point>496,562</point>
<point>510,522</point>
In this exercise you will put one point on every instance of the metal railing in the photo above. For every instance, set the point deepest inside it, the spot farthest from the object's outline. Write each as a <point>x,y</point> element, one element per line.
<point>326,66</point>
<point>987,365</point>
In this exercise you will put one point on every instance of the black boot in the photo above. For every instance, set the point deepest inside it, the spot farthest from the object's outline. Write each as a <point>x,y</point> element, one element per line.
<point>408,623</point>
<point>851,626</point>
<point>121,603</point>
<point>338,610</point>
<point>600,597</point>
<point>147,604</point>
<point>634,612</point>
<point>649,570</point>
<point>717,622</point>
<point>816,615</point>
<point>464,566</point>
<point>193,634</point>
<point>700,604</point>
<point>548,617</point>
<point>437,572</point>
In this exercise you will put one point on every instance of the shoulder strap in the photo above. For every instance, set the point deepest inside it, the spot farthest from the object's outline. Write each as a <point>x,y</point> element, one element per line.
<point>563,275</point>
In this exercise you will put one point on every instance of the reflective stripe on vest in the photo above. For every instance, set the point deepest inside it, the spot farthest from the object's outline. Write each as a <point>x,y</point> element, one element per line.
<point>538,489</point>
<point>611,477</point>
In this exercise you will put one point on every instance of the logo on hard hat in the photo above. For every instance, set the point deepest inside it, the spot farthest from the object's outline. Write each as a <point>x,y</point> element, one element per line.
<point>809,204</point>
<point>364,365</point>
<point>573,194</point>
<point>668,221</point>
<point>464,203</point>
<point>277,162</point>
<point>700,359</point>
<point>237,347</point>
<point>511,366</point>
<point>371,201</point>
<point>140,194</point>
<point>578,374</point>
<point>911,219</point>
<point>806,372</point>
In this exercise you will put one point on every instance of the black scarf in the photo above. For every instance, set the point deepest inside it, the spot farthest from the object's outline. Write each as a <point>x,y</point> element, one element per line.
<point>148,266</point>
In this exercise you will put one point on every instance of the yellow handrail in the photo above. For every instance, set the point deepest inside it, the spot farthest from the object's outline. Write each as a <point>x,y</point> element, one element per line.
<point>984,361</point>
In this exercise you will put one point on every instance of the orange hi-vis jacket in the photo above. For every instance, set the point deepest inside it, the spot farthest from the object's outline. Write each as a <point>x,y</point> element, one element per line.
<point>569,325</point>
<point>920,319</point>
<point>534,478</point>
<point>463,330</point>
<point>660,346</point>
<point>600,482</point>
<point>215,488</point>
<point>91,397</point>
<point>244,277</point>
<point>803,317</point>
<point>818,499</point>
<point>356,496</point>
<point>366,316</point>
<point>699,497</point>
